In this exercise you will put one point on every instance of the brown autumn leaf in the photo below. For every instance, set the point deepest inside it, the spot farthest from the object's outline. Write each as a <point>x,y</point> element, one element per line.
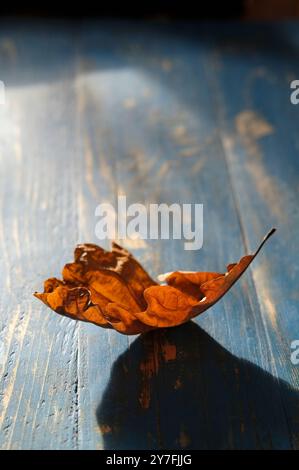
<point>112,290</point>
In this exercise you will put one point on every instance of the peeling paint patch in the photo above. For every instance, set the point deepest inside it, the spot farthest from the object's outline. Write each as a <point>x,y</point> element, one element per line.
<point>8,48</point>
<point>184,440</point>
<point>178,384</point>
<point>148,368</point>
<point>182,137</point>
<point>190,151</point>
<point>159,351</point>
<point>164,169</point>
<point>105,429</point>
<point>167,65</point>
<point>168,351</point>
<point>198,166</point>
<point>129,103</point>
<point>251,126</point>
<point>267,187</point>
<point>89,167</point>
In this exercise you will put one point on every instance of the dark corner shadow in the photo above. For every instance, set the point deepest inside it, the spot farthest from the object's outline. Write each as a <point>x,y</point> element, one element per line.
<point>114,44</point>
<point>180,389</point>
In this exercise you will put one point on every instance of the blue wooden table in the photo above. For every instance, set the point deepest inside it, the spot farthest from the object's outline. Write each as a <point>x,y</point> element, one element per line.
<point>161,112</point>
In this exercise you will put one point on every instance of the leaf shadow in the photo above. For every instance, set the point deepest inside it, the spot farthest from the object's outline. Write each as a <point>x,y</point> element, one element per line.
<point>180,389</point>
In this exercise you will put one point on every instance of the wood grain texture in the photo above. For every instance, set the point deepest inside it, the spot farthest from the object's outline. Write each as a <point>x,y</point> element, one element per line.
<point>161,113</point>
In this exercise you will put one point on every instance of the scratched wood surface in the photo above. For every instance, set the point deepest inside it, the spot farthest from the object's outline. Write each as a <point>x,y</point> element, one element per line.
<point>160,112</point>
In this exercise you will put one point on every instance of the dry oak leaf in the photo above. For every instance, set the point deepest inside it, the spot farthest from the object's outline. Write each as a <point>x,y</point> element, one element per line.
<point>112,290</point>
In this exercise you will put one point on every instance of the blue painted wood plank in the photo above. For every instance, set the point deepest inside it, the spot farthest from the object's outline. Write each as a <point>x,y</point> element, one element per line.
<point>39,352</point>
<point>251,84</point>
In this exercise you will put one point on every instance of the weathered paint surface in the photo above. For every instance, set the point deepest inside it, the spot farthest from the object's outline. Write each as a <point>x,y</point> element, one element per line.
<point>161,113</point>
